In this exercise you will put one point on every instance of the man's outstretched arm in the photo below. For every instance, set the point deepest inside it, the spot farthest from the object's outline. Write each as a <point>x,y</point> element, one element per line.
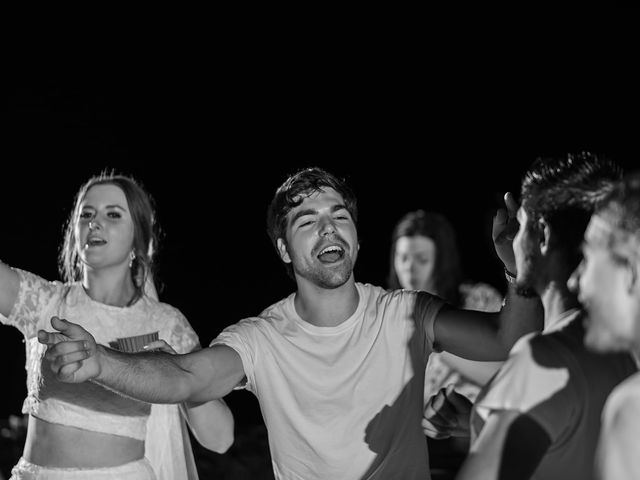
<point>154,377</point>
<point>486,336</point>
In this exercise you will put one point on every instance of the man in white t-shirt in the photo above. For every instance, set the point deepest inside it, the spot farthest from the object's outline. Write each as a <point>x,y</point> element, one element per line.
<point>608,282</point>
<point>338,366</point>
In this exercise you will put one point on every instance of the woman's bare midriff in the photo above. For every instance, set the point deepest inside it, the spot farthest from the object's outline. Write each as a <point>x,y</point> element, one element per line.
<point>53,445</point>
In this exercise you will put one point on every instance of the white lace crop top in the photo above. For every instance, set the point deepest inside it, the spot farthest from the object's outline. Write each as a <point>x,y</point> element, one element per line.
<point>88,405</point>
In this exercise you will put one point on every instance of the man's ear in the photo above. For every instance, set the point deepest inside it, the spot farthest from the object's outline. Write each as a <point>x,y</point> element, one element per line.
<point>282,249</point>
<point>546,236</point>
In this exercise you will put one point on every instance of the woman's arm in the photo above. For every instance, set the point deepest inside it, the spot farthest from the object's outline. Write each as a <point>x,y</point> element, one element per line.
<point>210,422</point>
<point>9,285</point>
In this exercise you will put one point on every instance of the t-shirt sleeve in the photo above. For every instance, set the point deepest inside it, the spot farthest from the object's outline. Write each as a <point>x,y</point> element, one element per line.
<point>183,337</point>
<point>242,338</point>
<point>426,309</point>
<point>34,299</point>
<point>525,386</point>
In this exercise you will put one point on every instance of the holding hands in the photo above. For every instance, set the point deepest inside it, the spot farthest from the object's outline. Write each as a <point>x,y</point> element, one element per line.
<point>72,352</point>
<point>447,414</point>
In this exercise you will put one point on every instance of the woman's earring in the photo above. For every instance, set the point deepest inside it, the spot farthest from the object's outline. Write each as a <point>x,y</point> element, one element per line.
<point>132,257</point>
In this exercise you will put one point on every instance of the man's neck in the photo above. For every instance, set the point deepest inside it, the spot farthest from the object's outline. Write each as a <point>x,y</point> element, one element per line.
<point>556,300</point>
<point>325,307</point>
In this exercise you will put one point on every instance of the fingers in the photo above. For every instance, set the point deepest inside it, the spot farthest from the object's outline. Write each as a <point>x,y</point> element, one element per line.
<point>71,330</point>
<point>440,415</point>
<point>67,372</point>
<point>47,338</point>
<point>432,431</point>
<point>500,219</point>
<point>458,402</point>
<point>159,345</point>
<point>511,204</point>
<point>66,352</point>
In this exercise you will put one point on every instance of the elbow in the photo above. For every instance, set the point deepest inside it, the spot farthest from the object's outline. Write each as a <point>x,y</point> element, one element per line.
<point>224,444</point>
<point>219,444</point>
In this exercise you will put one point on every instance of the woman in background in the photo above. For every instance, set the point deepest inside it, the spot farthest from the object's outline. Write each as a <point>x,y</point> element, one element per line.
<point>425,256</point>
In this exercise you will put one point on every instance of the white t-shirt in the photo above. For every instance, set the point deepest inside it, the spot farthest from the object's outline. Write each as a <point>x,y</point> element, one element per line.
<point>342,402</point>
<point>619,445</point>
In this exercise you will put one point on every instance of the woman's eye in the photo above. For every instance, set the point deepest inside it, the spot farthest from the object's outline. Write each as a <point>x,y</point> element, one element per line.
<point>86,215</point>
<point>114,215</point>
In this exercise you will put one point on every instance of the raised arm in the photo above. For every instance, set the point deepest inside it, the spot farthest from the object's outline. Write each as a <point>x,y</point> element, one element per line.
<point>154,377</point>
<point>9,285</point>
<point>489,336</point>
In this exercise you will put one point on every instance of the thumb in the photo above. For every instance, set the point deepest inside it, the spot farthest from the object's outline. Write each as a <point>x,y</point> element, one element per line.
<point>58,323</point>
<point>511,203</point>
<point>70,330</point>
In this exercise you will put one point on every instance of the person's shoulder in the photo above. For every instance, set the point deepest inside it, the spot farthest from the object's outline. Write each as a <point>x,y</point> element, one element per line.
<point>33,279</point>
<point>163,310</point>
<point>275,311</point>
<point>380,293</point>
<point>399,297</point>
<point>627,391</point>
<point>480,296</point>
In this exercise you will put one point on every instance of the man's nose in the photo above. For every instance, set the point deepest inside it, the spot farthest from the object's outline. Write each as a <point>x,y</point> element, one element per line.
<point>327,227</point>
<point>574,280</point>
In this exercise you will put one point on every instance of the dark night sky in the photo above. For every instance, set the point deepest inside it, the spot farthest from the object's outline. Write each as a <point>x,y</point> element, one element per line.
<point>450,136</point>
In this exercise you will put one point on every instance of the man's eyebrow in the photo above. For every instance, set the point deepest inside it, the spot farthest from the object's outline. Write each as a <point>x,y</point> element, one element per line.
<point>302,213</point>
<point>312,211</point>
<point>337,207</point>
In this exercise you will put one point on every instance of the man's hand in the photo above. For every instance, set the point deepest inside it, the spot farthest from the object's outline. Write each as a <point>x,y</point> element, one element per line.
<point>72,353</point>
<point>447,415</point>
<point>505,227</point>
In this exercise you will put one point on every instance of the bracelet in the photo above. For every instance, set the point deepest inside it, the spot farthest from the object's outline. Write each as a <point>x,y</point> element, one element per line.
<point>511,278</point>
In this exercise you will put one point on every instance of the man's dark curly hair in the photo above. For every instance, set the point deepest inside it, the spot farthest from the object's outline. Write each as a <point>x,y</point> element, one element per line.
<point>565,191</point>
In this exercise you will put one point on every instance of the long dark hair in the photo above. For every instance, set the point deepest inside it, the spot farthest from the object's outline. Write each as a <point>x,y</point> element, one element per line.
<point>447,273</point>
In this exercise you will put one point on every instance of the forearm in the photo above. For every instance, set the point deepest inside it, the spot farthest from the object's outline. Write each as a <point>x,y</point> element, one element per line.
<point>485,336</point>
<point>153,377</point>
<point>519,315</point>
<point>211,424</point>
<point>158,377</point>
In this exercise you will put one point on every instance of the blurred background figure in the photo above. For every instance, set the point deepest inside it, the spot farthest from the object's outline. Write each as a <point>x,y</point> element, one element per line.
<point>608,285</point>
<point>425,256</point>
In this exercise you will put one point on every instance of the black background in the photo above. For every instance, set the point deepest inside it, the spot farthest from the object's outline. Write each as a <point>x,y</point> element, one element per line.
<point>212,133</point>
